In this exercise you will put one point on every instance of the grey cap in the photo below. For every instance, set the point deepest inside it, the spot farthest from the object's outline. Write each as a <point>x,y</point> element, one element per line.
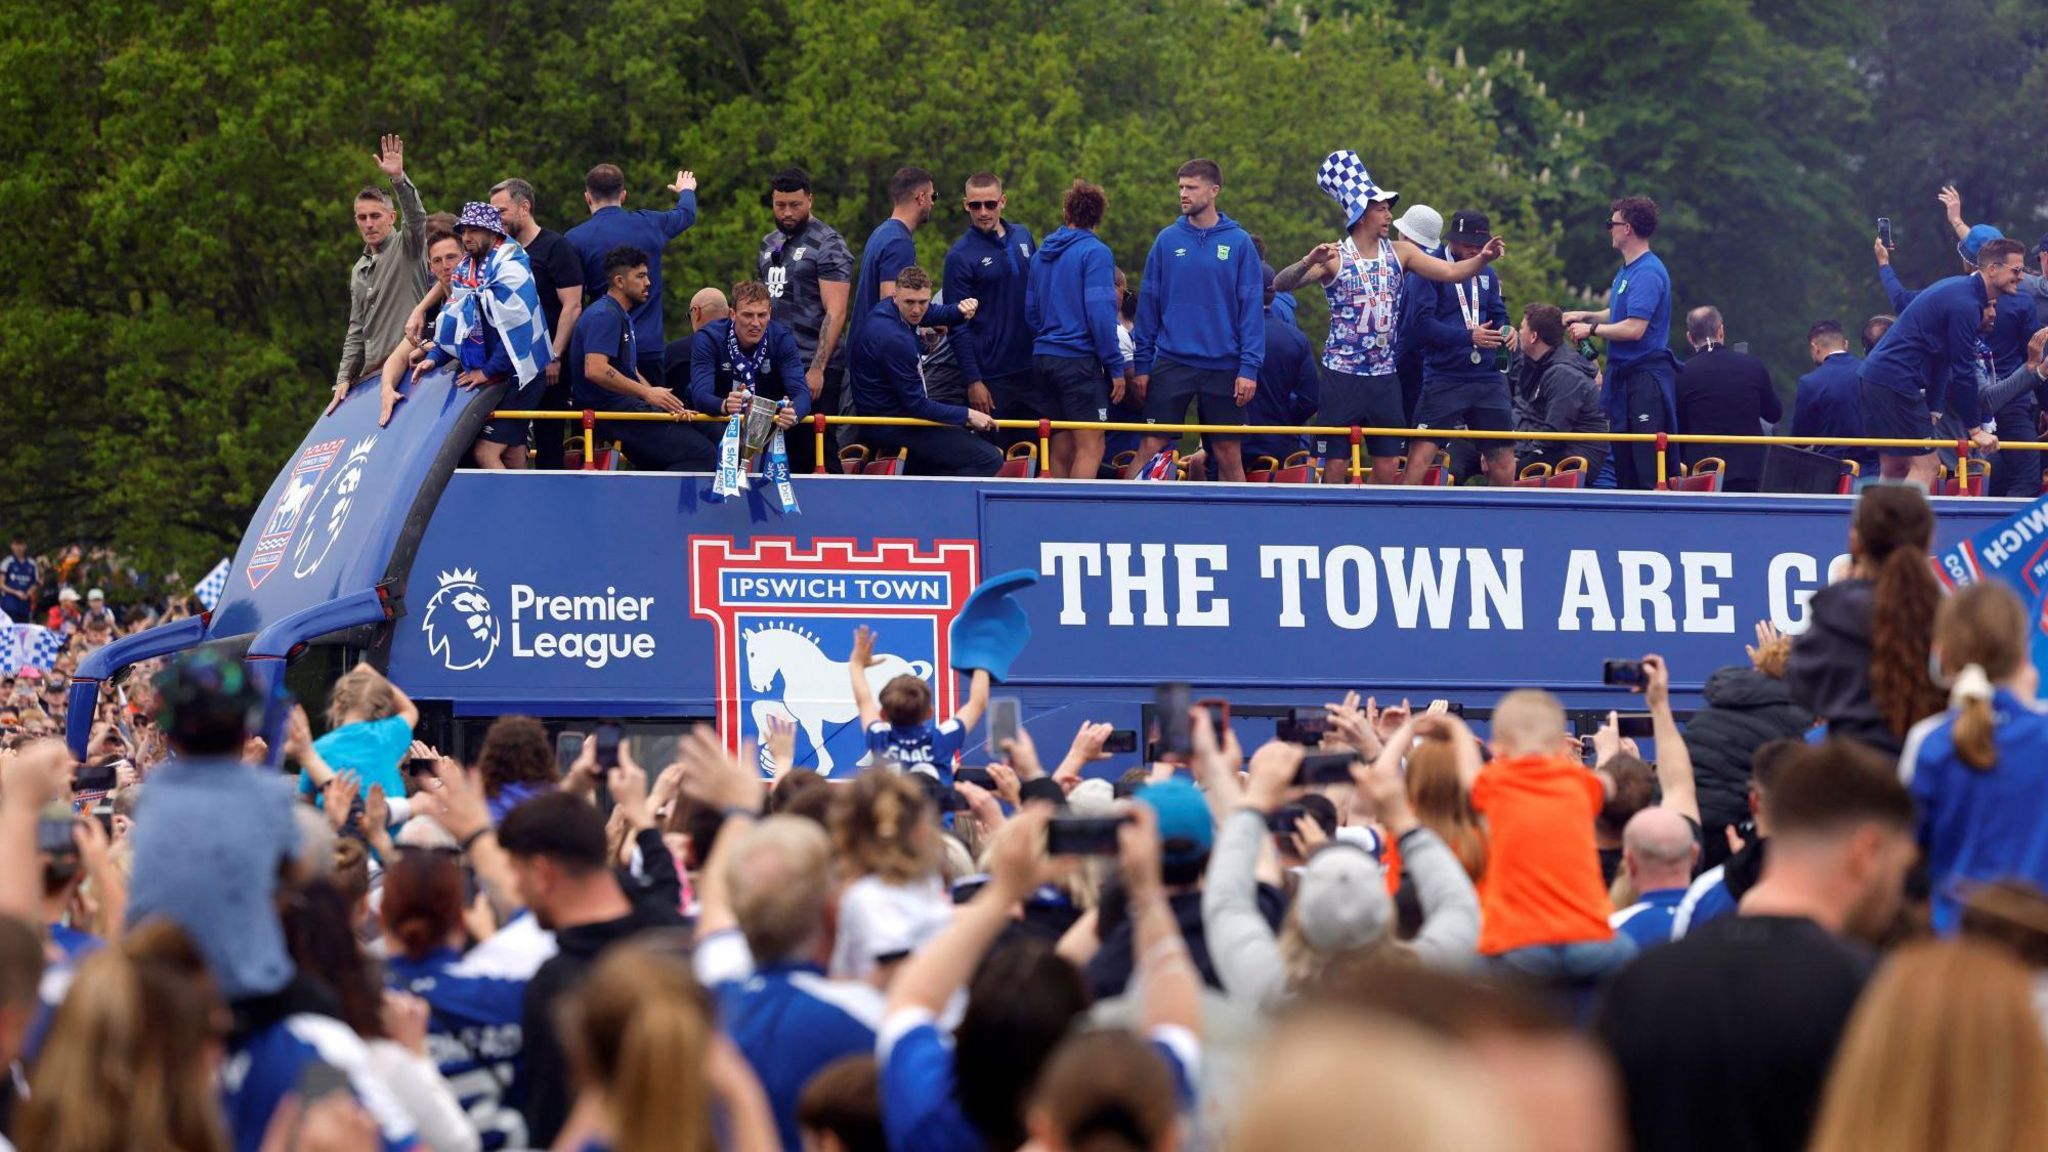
<point>1342,902</point>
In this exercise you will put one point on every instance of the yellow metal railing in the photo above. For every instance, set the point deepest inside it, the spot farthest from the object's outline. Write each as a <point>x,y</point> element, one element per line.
<point>1355,433</point>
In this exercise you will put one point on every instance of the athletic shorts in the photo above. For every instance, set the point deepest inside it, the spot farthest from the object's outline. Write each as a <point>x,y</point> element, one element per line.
<point>1889,415</point>
<point>1368,401</point>
<point>1175,386</point>
<point>1071,387</point>
<point>1481,405</point>
<point>517,398</point>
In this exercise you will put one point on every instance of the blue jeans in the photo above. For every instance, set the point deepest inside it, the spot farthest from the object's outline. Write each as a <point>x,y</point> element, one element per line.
<point>1587,961</point>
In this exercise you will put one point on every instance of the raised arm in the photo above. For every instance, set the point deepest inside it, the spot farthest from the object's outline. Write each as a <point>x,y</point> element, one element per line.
<point>1320,266</point>
<point>857,666</point>
<point>928,979</point>
<point>716,779</point>
<point>1449,936</point>
<point>1171,990</point>
<point>1674,760</point>
<point>977,700</point>
<point>1414,259</point>
<point>1241,943</point>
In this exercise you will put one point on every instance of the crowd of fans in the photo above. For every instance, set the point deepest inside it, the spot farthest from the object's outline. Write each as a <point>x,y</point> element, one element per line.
<point>1812,917</point>
<point>1420,337</point>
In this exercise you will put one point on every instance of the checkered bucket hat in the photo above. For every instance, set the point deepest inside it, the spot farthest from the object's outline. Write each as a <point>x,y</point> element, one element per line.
<point>477,214</point>
<point>1344,178</point>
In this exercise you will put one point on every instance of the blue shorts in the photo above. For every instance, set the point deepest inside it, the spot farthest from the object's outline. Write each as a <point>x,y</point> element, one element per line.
<point>1175,386</point>
<point>1368,401</point>
<point>1071,387</point>
<point>517,398</point>
<point>1481,405</point>
<point>1889,415</point>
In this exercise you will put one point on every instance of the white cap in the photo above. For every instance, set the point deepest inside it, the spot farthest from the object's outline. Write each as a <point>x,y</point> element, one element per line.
<point>68,596</point>
<point>95,594</point>
<point>1422,224</point>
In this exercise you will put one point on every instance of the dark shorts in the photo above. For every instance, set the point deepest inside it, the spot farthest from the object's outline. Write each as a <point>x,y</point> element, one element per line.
<point>517,398</point>
<point>1175,386</point>
<point>1278,447</point>
<point>1368,401</point>
<point>1071,387</point>
<point>1889,415</point>
<point>1481,405</point>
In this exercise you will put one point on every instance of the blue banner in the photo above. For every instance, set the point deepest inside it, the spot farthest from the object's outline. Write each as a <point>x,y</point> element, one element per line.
<point>2014,551</point>
<point>634,595</point>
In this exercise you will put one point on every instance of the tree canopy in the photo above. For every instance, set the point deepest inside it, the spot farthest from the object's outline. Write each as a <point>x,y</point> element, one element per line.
<point>176,206</point>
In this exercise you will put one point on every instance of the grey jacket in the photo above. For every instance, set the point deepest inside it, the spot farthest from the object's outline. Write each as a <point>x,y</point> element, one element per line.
<point>385,285</point>
<point>1557,394</point>
<point>1247,954</point>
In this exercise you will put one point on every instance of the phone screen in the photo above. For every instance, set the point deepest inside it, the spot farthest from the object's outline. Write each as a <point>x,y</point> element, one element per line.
<point>1005,718</point>
<point>1121,740</point>
<point>1082,835</point>
<point>568,746</point>
<point>607,748</point>
<point>1171,703</point>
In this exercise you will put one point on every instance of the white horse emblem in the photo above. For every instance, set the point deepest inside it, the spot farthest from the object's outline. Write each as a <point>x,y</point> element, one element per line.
<point>815,687</point>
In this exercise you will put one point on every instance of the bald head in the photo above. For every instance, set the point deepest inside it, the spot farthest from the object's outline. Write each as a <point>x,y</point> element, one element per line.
<point>1658,849</point>
<point>1528,722</point>
<point>708,305</point>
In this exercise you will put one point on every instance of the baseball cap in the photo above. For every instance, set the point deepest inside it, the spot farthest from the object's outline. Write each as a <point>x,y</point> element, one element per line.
<point>68,596</point>
<point>1092,797</point>
<point>1422,224</point>
<point>1185,828</point>
<point>95,594</point>
<point>1975,239</point>
<point>1470,228</point>
<point>1342,902</point>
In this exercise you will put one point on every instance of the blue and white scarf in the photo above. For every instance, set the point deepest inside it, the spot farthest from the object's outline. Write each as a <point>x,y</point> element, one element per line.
<point>499,291</point>
<point>730,479</point>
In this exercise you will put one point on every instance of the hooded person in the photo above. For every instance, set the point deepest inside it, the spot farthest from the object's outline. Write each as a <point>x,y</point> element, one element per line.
<point>1070,304</point>
<point>494,329</point>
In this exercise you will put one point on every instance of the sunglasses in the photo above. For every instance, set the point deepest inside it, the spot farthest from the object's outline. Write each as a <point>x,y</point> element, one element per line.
<point>1613,224</point>
<point>983,205</point>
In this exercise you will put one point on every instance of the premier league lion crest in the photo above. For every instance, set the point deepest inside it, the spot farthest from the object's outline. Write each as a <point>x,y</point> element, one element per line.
<point>785,618</point>
<point>330,512</point>
<point>460,625</point>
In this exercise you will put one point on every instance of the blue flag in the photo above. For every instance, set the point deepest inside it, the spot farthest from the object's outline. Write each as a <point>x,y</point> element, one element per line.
<point>2014,551</point>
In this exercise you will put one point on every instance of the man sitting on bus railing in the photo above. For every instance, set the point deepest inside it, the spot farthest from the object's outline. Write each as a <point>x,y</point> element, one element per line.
<point>748,354</point>
<point>888,380</point>
<point>1555,392</point>
<point>603,359</point>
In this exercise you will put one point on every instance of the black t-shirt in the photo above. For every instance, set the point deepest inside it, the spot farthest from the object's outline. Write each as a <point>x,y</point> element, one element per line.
<point>1724,1038</point>
<point>555,267</point>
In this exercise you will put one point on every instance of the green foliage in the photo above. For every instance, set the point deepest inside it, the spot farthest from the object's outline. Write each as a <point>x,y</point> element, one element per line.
<point>174,215</point>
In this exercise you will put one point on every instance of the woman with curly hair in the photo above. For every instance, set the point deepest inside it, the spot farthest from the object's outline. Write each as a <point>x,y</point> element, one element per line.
<point>517,763</point>
<point>885,835</point>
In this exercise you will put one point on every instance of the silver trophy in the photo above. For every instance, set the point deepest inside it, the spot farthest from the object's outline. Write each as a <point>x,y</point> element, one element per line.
<point>759,427</point>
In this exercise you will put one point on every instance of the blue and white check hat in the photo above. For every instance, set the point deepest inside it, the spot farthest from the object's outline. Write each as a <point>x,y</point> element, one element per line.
<point>477,214</point>
<point>1344,178</point>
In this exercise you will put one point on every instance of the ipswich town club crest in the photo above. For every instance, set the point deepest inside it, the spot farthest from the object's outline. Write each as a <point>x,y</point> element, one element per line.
<point>785,616</point>
<point>289,509</point>
<point>461,628</point>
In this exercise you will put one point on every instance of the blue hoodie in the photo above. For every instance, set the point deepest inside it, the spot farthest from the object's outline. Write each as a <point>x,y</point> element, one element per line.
<point>1202,302</point>
<point>991,272</point>
<point>1932,349</point>
<point>1070,300</point>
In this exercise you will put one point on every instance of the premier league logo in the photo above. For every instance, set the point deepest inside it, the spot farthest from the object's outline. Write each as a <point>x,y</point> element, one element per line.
<point>330,512</point>
<point>461,628</point>
<point>785,618</point>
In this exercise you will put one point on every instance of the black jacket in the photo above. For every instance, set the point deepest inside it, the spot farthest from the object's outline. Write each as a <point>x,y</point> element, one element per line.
<point>1828,672</point>
<point>1722,392</point>
<point>1557,394</point>
<point>544,1075</point>
<point>1745,710</point>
